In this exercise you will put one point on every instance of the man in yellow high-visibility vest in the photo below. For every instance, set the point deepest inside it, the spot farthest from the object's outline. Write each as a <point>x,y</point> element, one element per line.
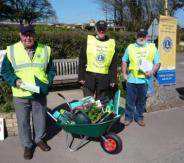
<point>98,63</point>
<point>138,75</point>
<point>29,70</point>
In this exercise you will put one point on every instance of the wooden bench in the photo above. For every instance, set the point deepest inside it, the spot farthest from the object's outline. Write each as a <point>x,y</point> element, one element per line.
<point>66,70</point>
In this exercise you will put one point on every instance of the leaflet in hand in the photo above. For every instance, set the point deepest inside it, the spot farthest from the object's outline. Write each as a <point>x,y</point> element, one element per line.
<point>145,65</point>
<point>30,87</point>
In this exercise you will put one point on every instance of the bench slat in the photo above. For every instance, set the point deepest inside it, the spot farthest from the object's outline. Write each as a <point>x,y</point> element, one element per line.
<point>67,69</point>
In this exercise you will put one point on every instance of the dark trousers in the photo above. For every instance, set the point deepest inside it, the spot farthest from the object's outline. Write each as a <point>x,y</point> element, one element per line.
<point>135,101</point>
<point>98,94</point>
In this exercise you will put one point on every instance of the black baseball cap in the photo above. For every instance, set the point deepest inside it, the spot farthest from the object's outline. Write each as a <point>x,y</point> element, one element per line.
<point>101,25</point>
<point>24,28</point>
<point>142,32</point>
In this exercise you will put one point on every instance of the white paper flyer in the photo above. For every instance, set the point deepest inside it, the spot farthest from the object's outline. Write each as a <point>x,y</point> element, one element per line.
<point>30,87</point>
<point>145,65</point>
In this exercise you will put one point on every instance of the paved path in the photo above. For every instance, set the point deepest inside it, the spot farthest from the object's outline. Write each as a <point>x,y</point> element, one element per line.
<point>161,141</point>
<point>54,100</point>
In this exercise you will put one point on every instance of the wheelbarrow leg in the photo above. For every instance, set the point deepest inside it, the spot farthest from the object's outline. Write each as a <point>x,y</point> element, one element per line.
<point>78,146</point>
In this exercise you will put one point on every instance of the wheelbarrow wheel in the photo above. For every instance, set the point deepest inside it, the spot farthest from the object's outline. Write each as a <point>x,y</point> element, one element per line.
<point>111,143</point>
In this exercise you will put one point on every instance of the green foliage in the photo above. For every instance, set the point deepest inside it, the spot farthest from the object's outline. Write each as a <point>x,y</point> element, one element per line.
<point>182,35</point>
<point>65,43</point>
<point>180,48</point>
<point>6,104</point>
<point>120,86</point>
<point>94,113</point>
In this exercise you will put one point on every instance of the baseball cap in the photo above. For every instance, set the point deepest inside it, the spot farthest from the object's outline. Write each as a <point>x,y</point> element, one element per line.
<point>23,28</point>
<point>142,32</point>
<point>101,25</point>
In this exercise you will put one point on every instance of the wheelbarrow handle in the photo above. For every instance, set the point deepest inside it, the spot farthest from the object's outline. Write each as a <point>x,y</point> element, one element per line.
<point>59,94</point>
<point>52,116</point>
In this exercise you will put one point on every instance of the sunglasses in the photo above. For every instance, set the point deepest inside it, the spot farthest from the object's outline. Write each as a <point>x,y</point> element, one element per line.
<point>141,36</point>
<point>101,31</point>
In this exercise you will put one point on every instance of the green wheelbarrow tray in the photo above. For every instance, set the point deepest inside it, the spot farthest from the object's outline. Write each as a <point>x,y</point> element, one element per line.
<point>110,142</point>
<point>91,130</point>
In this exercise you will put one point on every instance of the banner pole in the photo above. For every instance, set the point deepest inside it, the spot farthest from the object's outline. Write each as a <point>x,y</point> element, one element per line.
<point>166,8</point>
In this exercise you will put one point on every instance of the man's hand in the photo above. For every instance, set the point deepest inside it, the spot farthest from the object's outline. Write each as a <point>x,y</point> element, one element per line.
<point>149,73</point>
<point>82,82</point>
<point>18,83</point>
<point>125,76</point>
<point>112,85</point>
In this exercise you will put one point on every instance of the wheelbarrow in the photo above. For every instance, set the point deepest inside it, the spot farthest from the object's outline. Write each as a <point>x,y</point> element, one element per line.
<point>110,142</point>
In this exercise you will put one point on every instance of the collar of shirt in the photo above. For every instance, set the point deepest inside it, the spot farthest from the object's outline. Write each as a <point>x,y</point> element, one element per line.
<point>32,50</point>
<point>137,45</point>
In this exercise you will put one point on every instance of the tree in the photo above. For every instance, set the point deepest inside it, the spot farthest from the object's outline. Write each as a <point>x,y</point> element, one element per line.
<point>138,13</point>
<point>28,10</point>
<point>5,10</point>
<point>174,5</point>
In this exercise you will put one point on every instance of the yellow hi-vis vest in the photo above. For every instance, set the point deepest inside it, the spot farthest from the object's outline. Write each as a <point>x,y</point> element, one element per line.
<point>135,54</point>
<point>27,69</point>
<point>99,55</point>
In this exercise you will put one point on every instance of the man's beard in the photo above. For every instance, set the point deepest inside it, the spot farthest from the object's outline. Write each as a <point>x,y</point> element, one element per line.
<point>141,42</point>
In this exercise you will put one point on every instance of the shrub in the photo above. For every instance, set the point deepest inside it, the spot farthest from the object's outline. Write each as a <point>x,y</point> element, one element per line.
<point>120,86</point>
<point>182,35</point>
<point>6,104</point>
<point>65,43</point>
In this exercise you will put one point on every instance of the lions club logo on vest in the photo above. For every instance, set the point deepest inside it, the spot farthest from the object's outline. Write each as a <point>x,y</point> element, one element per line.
<point>100,58</point>
<point>39,55</point>
<point>167,44</point>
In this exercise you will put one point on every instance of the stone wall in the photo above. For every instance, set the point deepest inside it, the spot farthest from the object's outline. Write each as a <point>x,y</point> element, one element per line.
<point>10,122</point>
<point>165,97</point>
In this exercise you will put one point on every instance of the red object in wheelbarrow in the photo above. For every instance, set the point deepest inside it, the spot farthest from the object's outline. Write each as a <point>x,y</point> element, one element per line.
<point>110,142</point>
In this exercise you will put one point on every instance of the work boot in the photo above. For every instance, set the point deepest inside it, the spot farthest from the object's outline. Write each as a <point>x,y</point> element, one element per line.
<point>43,146</point>
<point>141,123</point>
<point>28,153</point>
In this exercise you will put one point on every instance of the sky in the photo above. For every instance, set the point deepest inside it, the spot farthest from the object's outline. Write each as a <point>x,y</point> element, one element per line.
<point>180,17</point>
<point>82,11</point>
<point>77,11</point>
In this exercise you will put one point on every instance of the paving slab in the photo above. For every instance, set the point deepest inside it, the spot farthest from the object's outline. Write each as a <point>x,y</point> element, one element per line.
<point>161,141</point>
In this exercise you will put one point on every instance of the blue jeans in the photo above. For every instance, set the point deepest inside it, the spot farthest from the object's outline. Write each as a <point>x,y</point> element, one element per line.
<point>135,101</point>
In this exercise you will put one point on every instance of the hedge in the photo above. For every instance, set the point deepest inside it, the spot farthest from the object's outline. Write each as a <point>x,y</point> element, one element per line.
<point>6,104</point>
<point>65,43</point>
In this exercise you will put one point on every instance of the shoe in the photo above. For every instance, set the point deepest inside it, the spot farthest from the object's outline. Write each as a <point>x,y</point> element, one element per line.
<point>141,123</point>
<point>43,146</point>
<point>127,122</point>
<point>28,153</point>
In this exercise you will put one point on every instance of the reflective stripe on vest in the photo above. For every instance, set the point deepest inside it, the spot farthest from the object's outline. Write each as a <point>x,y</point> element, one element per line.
<point>99,55</point>
<point>27,69</point>
<point>16,67</point>
<point>135,54</point>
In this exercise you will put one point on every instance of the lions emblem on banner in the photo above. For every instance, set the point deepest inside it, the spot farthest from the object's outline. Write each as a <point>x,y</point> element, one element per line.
<point>167,44</point>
